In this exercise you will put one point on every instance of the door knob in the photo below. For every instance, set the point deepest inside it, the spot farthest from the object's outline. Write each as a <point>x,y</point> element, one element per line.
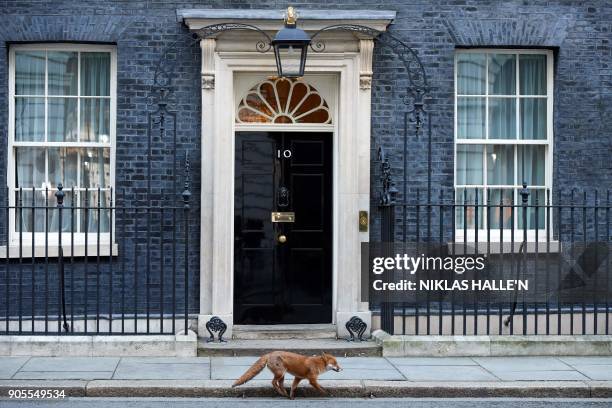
<point>281,239</point>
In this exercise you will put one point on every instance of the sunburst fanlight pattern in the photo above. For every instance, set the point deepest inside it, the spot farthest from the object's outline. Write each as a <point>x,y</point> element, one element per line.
<point>283,101</point>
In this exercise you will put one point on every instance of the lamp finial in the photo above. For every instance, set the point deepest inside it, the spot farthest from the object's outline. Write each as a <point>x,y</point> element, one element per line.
<point>291,17</point>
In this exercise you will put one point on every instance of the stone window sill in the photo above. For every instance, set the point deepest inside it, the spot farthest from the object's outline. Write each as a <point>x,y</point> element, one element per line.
<point>52,251</point>
<point>496,247</point>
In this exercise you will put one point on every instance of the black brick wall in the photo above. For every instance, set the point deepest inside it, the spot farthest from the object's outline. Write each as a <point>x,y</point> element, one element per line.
<point>579,32</point>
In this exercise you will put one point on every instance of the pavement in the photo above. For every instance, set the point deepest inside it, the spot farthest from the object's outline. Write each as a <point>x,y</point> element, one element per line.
<point>537,377</point>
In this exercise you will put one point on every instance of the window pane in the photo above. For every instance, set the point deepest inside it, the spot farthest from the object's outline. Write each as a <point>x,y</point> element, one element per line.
<point>471,118</point>
<point>469,164</point>
<point>94,215</point>
<point>95,73</point>
<point>536,211</point>
<point>38,214</point>
<point>62,76</point>
<point>29,166</point>
<point>500,200</point>
<point>502,118</point>
<point>533,118</point>
<point>63,164</point>
<point>467,212</point>
<point>532,74</point>
<point>500,165</point>
<point>30,219</point>
<point>531,165</point>
<point>95,167</point>
<point>30,119</point>
<point>29,73</point>
<point>471,74</point>
<point>95,120</point>
<point>502,74</point>
<point>62,120</point>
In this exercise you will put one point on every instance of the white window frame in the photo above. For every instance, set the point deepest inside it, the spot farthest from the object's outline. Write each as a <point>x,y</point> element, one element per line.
<point>53,237</point>
<point>541,234</point>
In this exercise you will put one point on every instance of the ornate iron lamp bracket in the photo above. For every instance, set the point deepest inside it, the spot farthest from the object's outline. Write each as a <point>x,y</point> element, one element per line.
<point>164,75</point>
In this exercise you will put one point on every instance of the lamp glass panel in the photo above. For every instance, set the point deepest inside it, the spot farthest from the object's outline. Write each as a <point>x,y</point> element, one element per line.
<point>290,59</point>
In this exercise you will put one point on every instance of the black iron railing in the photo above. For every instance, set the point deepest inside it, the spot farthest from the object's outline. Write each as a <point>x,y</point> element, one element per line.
<point>560,243</point>
<point>85,261</point>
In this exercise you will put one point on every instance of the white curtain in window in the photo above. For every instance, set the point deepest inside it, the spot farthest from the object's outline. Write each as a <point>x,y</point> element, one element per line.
<point>95,172</point>
<point>502,118</point>
<point>500,165</point>
<point>471,74</point>
<point>533,82</point>
<point>502,74</point>
<point>469,164</point>
<point>531,165</point>
<point>95,81</point>
<point>532,74</point>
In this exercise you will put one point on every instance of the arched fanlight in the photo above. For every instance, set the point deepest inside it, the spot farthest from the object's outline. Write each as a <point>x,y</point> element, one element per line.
<point>290,47</point>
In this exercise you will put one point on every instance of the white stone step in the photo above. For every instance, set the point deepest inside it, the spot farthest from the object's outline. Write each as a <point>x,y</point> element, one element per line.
<point>284,332</point>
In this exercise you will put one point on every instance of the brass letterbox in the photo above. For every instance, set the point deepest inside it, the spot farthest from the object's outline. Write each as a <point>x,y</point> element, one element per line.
<point>284,216</point>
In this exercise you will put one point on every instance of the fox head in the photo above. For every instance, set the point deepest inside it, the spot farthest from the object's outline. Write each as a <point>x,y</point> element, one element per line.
<point>330,362</point>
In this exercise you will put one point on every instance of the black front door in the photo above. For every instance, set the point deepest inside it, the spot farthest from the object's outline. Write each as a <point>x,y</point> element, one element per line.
<point>283,270</point>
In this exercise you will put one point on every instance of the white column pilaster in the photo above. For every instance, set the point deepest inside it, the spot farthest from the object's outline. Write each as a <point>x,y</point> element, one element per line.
<point>208,293</point>
<point>349,302</point>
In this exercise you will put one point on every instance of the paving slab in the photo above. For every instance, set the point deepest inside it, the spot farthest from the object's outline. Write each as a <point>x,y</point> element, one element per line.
<point>443,373</point>
<point>81,364</point>
<point>363,374</point>
<point>496,364</point>
<point>599,372</point>
<point>232,361</point>
<point>532,375</point>
<point>63,375</point>
<point>572,360</point>
<point>370,363</point>
<point>167,360</point>
<point>10,365</point>
<point>432,361</point>
<point>165,369</point>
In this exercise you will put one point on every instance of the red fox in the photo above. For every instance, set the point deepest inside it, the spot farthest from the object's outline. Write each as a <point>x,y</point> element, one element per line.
<point>301,367</point>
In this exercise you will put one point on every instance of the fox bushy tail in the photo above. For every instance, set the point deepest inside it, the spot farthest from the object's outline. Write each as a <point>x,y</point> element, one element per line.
<point>252,371</point>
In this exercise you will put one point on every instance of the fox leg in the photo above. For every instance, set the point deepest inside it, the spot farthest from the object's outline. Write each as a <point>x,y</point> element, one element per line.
<point>281,386</point>
<point>315,384</point>
<point>294,386</point>
<point>277,383</point>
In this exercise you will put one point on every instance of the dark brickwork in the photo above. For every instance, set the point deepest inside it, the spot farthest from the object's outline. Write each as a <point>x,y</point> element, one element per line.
<point>579,33</point>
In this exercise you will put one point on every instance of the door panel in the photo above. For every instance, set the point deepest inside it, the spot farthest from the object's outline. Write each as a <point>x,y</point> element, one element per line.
<point>288,282</point>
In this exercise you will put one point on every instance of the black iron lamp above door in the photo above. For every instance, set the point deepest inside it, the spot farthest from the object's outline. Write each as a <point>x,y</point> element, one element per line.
<point>290,47</point>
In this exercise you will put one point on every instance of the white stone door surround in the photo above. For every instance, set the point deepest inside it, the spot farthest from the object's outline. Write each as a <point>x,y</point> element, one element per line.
<point>231,56</point>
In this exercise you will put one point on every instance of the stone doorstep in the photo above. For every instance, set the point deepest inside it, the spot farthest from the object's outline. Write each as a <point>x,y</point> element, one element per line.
<point>492,346</point>
<point>177,345</point>
<point>336,388</point>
